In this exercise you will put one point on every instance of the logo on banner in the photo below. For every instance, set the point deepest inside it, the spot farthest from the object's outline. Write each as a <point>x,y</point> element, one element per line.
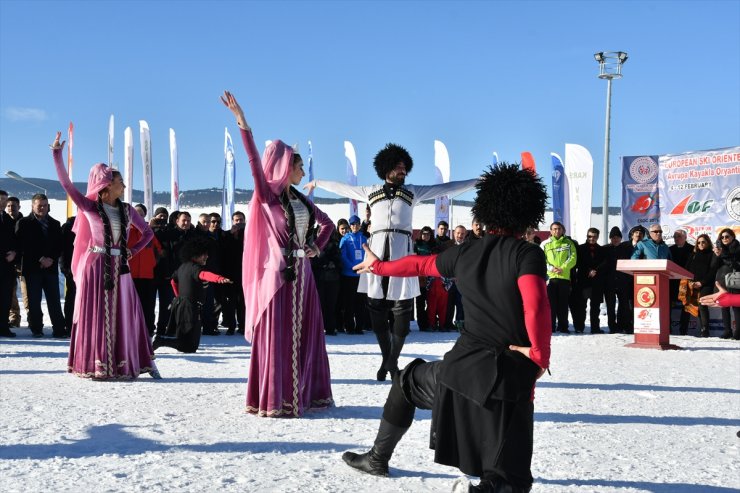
<point>646,297</point>
<point>643,203</point>
<point>688,206</point>
<point>732,203</point>
<point>643,170</point>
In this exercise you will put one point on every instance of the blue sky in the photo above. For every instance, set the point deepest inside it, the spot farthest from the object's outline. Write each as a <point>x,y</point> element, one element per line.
<point>479,76</point>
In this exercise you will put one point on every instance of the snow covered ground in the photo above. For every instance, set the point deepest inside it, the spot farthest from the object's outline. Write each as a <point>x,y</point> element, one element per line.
<point>609,419</point>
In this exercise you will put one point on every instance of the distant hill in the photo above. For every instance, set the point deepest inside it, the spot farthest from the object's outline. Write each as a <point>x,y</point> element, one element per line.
<point>190,198</point>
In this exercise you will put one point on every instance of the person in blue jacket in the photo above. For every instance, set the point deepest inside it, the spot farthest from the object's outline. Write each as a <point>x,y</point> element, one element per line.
<point>354,303</point>
<point>652,247</point>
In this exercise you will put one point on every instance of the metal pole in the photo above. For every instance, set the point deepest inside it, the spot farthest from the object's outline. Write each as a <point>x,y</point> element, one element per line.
<point>605,210</point>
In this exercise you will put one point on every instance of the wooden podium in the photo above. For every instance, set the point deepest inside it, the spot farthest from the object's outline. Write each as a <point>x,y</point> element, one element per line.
<point>652,303</point>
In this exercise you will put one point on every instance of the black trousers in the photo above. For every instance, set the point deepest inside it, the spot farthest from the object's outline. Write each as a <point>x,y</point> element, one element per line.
<point>558,292</point>
<point>579,297</point>
<point>70,293</point>
<point>329,297</point>
<point>402,311</point>
<point>163,289</point>
<point>46,281</point>
<point>354,305</point>
<point>421,309</point>
<point>512,429</point>
<point>7,285</point>
<point>147,297</point>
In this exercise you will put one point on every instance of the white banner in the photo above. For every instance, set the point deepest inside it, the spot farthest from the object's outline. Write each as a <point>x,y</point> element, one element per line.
<point>351,167</point>
<point>579,170</point>
<point>128,164</point>
<point>442,171</point>
<point>174,174</point>
<point>227,200</point>
<point>110,141</point>
<point>146,161</point>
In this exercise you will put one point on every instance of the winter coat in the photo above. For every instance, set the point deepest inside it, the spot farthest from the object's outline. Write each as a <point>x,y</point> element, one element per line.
<point>561,253</point>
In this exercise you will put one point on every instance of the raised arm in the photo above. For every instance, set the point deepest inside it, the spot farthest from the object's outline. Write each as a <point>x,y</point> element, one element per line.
<point>453,188</point>
<point>80,200</point>
<point>349,191</point>
<point>326,228</point>
<point>409,266</point>
<point>261,190</point>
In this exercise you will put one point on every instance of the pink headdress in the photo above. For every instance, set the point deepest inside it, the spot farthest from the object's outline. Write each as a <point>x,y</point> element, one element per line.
<point>277,163</point>
<point>100,177</point>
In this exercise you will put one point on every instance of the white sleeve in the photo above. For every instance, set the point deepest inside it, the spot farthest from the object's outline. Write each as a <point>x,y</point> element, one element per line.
<point>453,188</point>
<point>349,191</point>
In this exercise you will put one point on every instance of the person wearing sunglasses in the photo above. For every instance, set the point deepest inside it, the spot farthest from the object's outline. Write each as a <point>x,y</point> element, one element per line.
<point>652,247</point>
<point>728,251</point>
<point>703,263</point>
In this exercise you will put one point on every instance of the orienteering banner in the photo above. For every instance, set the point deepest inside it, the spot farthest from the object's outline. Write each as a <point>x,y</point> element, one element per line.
<point>110,142</point>
<point>699,192</point>
<point>174,174</point>
<point>640,196</point>
<point>70,139</point>
<point>128,164</point>
<point>442,171</point>
<point>528,161</point>
<point>227,199</point>
<point>579,169</point>
<point>351,166</point>
<point>310,169</point>
<point>560,206</point>
<point>146,161</point>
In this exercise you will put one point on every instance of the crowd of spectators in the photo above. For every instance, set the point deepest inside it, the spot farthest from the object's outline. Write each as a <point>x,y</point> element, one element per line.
<point>36,248</point>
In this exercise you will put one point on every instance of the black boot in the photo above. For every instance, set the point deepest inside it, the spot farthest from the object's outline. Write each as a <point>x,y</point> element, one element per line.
<point>391,363</point>
<point>375,461</point>
<point>384,341</point>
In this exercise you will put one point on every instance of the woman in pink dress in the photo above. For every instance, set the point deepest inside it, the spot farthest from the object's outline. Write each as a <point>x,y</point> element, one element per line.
<point>288,368</point>
<point>109,335</point>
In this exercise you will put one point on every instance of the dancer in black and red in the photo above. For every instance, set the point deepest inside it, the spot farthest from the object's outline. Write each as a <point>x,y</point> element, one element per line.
<point>482,425</point>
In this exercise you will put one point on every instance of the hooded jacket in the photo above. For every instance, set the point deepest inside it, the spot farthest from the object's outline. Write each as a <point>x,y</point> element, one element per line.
<point>561,253</point>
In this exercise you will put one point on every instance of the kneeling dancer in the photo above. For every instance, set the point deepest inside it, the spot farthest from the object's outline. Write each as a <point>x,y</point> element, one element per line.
<point>481,425</point>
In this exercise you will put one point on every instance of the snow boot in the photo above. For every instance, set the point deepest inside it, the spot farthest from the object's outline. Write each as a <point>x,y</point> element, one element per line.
<point>375,461</point>
<point>384,341</point>
<point>391,363</point>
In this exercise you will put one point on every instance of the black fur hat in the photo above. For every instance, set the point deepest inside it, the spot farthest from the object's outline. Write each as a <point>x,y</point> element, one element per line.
<point>194,247</point>
<point>389,157</point>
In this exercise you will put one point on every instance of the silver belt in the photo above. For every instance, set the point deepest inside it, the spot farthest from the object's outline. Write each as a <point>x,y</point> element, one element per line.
<point>296,253</point>
<point>98,249</point>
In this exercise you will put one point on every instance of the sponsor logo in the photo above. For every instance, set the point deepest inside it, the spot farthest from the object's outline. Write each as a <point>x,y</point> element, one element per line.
<point>643,169</point>
<point>688,206</point>
<point>646,297</point>
<point>732,203</point>
<point>643,314</point>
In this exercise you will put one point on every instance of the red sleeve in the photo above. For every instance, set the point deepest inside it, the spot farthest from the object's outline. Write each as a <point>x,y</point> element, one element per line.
<point>175,289</point>
<point>727,299</point>
<point>210,276</point>
<point>536,317</point>
<point>409,266</point>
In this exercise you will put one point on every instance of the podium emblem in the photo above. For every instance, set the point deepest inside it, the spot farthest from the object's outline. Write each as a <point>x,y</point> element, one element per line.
<point>646,297</point>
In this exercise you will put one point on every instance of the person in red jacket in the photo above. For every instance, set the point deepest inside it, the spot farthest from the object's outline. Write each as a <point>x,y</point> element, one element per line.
<point>481,425</point>
<point>142,271</point>
<point>188,285</point>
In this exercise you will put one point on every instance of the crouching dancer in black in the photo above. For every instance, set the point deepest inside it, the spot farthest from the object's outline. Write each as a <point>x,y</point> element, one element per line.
<point>481,393</point>
<point>188,284</point>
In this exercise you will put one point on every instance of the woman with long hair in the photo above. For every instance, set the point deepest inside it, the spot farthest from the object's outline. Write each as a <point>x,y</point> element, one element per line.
<point>109,332</point>
<point>288,368</point>
<point>703,264</point>
<point>728,251</point>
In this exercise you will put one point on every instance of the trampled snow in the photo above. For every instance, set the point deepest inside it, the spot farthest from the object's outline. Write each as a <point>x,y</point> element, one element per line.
<point>610,418</point>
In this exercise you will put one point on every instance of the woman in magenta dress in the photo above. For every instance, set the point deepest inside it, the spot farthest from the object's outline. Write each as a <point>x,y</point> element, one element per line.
<point>288,368</point>
<point>109,335</point>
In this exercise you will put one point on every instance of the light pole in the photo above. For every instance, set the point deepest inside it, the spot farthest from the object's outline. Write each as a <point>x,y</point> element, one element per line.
<point>16,176</point>
<point>610,67</point>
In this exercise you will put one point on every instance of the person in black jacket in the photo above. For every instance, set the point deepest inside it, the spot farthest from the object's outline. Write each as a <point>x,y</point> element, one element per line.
<point>65,265</point>
<point>681,251</point>
<point>728,251</point>
<point>327,267</point>
<point>40,244</point>
<point>624,284</point>
<point>703,263</point>
<point>611,295</point>
<point>7,265</point>
<point>234,268</point>
<point>589,284</point>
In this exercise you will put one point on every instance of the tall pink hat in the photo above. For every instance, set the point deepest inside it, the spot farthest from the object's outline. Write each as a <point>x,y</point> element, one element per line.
<point>101,175</point>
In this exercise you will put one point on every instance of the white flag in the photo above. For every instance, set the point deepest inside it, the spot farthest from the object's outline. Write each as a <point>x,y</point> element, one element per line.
<point>174,180</point>
<point>128,164</point>
<point>146,160</point>
<point>579,170</point>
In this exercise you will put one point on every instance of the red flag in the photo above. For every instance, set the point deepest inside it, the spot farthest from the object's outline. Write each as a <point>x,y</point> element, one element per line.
<point>528,161</point>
